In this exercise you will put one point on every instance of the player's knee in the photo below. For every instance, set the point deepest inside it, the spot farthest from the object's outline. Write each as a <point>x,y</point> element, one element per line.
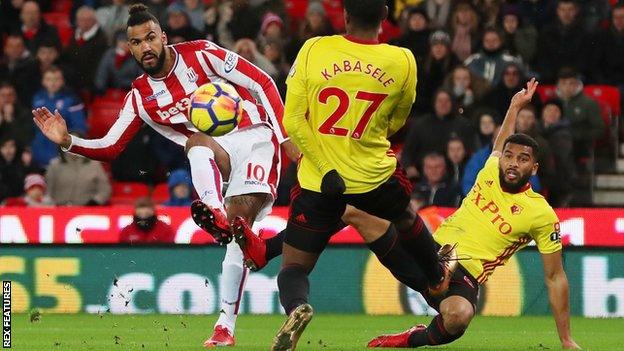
<point>406,221</point>
<point>456,320</point>
<point>198,139</point>
<point>352,216</point>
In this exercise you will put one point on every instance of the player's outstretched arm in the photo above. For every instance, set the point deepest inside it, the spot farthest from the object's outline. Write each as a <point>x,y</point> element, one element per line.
<point>106,148</point>
<point>558,295</point>
<point>53,126</point>
<point>518,101</point>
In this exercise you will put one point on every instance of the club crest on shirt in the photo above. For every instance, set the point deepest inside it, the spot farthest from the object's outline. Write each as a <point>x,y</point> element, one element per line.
<point>191,75</point>
<point>231,59</point>
<point>516,209</point>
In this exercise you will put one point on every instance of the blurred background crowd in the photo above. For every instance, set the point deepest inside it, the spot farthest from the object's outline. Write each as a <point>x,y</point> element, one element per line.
<point>71,55</point>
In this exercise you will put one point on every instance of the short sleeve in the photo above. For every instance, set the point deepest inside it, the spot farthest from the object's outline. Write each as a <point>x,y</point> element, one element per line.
<point>547,235</point>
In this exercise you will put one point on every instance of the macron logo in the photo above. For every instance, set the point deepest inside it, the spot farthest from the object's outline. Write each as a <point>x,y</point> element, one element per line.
<point>155,96</point>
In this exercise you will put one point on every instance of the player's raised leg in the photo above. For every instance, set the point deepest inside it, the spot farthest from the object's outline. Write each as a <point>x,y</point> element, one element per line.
<point>210,164</point>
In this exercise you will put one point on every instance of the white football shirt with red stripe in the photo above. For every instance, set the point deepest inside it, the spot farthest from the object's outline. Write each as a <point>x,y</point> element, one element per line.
<point>163,103</point>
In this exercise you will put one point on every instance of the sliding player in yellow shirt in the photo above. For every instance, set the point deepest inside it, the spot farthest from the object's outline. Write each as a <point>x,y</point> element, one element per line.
<point>346,95</point>
<point>500,216</point>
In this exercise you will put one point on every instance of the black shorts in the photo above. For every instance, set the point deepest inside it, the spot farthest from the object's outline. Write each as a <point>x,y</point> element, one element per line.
<point>314,217</point>
<point>462,284</point>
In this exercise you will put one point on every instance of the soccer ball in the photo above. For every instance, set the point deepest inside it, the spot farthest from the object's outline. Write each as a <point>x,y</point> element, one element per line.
<point>216,108</point>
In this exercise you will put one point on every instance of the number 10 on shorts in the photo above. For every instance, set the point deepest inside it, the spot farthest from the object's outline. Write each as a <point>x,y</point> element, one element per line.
<point>255,172</point>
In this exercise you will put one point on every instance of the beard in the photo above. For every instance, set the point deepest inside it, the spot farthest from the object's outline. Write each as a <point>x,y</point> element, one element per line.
<point>160,63</point>
<point>515,187</point>
<point>145,224</point>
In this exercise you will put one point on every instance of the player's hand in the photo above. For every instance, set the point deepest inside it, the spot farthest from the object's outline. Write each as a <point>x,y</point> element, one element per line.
<point>291,150</point>
<point>332,184</point>
<point>524,96</point>
<point>53,126</point>
<point>570,345</point>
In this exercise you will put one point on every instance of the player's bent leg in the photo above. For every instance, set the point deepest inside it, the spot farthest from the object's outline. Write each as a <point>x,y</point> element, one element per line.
<point>456,312</point>
<point>243,209</point>
<point>381,237</point>
<point>294,289</point>
<point>209,165</point>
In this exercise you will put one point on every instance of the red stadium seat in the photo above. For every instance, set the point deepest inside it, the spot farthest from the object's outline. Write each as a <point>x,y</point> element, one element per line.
<point>125,193</point>
<point>103,115</point>
<point>546,92</point>
<point>57,19</point>
<point>62,6</point>
<point>606,94</point>
<point>160,193</point>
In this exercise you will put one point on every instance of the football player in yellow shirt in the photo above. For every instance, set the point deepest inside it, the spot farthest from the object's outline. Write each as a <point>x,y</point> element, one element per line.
<point>346,95</point>
<point>500,215</point>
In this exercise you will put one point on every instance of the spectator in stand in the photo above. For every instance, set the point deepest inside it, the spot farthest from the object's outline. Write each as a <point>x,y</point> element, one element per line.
<point>112,18</point>
<point>137,162</point>
<point>271,29</point>
<point>513,80</point>
<point>563,43</point>
<point>15,120</point>
<point>178,27</point>
<point>86,47</point>
<point>439,12</point>
<point>55,96</point>
<point>47,55</point>
<point>526,123</point>
<point>9,16</point>
<point>146,228</point>
<point>467,88</point>
<point>27,162</point>
<point>457,156</point>
<point>34,29</point>
<point>194,9</point>
<point>595,13</point>
<point>15,63</point>
<point>179,184</point>
<point>74,180</point>
<point>11,169</point>
<point>476,163</point>
<point>415,33</point>
<point>519,36</point>
<point>608,61</point>
<point>556,130</point>
<point>34,193</point>
<point>248,50</point>
<point>486,120</point>
<point>431,132</point>
<point>464,30</point>
<point>272,50</point>
<point>582,111</point>
<point>244,22</point>
<point>117,69</point>
<point>438,63</point>
<point>315,24</point>
<point>158,8</point>
<point>436,188</point>
<point>489,11</point>
<point>539,13</point>
<point>490,61</point>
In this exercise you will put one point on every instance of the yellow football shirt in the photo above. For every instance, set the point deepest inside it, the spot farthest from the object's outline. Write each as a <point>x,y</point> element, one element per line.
<point>344,99</point>
<point>491,224</point>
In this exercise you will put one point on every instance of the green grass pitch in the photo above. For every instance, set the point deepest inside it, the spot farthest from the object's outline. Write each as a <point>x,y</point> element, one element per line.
<point>326,332</point>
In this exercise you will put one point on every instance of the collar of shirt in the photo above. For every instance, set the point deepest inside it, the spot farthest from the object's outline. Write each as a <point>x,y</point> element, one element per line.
<point>88,34</point>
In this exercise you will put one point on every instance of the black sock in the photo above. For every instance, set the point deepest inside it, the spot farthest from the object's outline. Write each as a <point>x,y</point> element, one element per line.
<point>418,241</point>
<point>401,264</point>
<point>435,334</point>
<point>294,287</point>
<point>274,245</point>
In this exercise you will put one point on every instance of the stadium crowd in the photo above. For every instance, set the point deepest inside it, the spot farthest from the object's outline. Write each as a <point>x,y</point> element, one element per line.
<point>472,57</point>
